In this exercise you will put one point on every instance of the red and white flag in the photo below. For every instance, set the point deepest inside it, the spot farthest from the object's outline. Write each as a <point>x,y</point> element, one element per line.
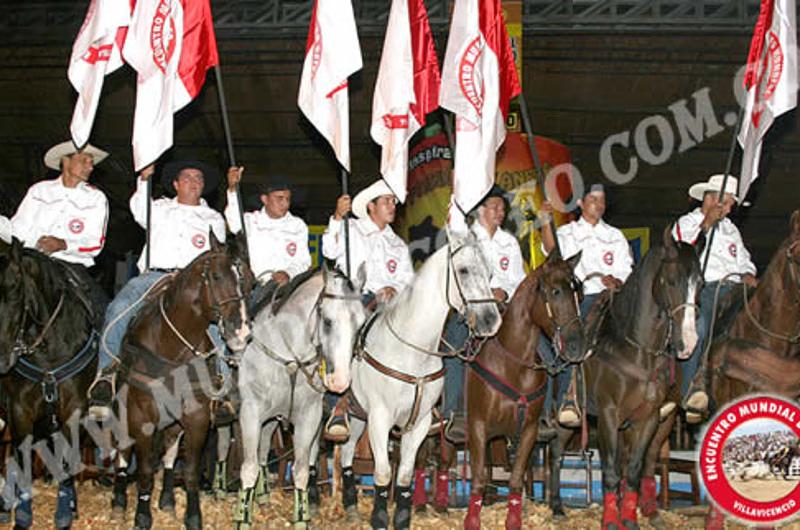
<point>406,90</point>
<point>171,44</point>
<point>770,81</point>
<point>478,82</point>
<point>332,55</point>
<point>95,54</point>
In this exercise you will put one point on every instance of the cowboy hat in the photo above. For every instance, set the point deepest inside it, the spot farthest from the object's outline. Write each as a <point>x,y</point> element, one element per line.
<point>53,156</point>
<point>171,171</point>
<point>714,183</point>
<point>379,188</point>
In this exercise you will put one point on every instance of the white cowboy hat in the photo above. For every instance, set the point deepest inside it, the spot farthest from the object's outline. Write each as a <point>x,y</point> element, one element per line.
<point>52,158</point>
<point>377,189</point>
<point>713,184</point>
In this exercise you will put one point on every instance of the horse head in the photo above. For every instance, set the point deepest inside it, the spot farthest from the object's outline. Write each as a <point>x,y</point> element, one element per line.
<point>217,285</point>
<point>556,309</point>
<point>337,319</point>
<point>676,290</point>
<point>793,248</point>
<point>468,290</point>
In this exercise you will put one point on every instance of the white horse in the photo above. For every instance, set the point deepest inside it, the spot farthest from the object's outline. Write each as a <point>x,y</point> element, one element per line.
<point>397,376</point>
<point>279,374</point>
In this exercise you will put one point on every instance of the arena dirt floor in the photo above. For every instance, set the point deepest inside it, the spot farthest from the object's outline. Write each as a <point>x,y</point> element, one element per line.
<point>95,513</point>
<point>763,490</point>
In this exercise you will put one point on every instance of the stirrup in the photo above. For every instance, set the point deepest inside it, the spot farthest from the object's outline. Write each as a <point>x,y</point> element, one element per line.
<point>569,415</point>
<point>337,432</point>
<point>665,410</point>
<point>696,406</point>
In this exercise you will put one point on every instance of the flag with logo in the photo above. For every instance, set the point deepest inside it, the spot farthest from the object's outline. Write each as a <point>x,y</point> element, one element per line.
<point>406,90</point>
<point>478,82</point>
<point>171,44</point>
<point>95,54</point>
<point>770,81</point>
<point>332,55</point>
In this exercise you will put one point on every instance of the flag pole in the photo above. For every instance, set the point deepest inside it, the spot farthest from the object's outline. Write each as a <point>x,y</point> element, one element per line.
<point>721,193</point>
<point>149,223</point>
<point>346,226</point>
<point>226,127</point>
<point>537,162</point>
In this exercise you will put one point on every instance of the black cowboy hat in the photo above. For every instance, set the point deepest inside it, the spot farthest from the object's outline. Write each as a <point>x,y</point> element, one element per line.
<point>171,170</point>
<point>275,183</point>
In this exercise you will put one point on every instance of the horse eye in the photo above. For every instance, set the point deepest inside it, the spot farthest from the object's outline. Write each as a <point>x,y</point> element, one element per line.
<point>556,292</point>
<point>463,270</point>
<point>327,324</point>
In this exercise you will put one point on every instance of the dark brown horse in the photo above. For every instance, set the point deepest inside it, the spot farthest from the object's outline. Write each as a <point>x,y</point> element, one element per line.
<point>505,383</point>
<point>635,335</point>
<point>760,351</point>
<point>48,349</point>
<point>169,384</point>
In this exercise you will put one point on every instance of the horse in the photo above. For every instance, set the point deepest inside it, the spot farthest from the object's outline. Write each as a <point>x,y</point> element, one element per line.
<point>48,351</point>
<point>781,461</point>
<point>165,365</point>
<point>397,374</point>
<point>635,336</point>
<point>760,350</point>
<point>505,385</point>
<point>315,324</point>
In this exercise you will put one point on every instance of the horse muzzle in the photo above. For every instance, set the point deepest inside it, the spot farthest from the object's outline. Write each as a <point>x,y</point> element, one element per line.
<point>338,381</point>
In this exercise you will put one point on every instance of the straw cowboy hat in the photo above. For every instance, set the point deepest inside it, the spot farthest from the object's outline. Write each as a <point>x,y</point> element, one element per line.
<point>53,156</point>
<point>377,189</point>
<point>713,184</point>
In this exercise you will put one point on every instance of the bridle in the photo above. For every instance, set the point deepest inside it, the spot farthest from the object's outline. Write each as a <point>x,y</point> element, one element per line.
<point>20,347</point>
<point>465,302</point>
<point>559,327</point>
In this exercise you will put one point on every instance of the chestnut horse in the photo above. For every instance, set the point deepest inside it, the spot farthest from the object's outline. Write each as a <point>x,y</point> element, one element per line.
<point>505,385</point>
<point>760,352</point>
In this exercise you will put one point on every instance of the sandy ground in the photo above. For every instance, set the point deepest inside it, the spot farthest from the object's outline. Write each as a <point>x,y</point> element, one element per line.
<point>764,490</point>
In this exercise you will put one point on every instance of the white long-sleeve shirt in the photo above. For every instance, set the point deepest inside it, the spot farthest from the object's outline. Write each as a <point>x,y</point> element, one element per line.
<point>274,244</point>
<point>728,253</point>
<point>604,250</point>
<point>504,256</point>
<point>388,263</point>
<point>179,231</point>
<point>77,215</point>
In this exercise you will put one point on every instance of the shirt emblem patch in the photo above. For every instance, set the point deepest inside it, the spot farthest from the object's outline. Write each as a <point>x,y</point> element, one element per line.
<point>391,266</point>
<point>504,263</point>
<point>199,240</point>
<point>732,249</point>
<point>291,248</point>
<point>608,258</point>
<point>75,226</point>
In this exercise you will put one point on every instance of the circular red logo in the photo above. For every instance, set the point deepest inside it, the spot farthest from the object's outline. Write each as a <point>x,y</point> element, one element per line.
<point>291,248</point>
<point>732,249</point>
<point>608,258</point>
<point>469,74</point>
<point>75,226</point>
<point>504,263</point>
<point>391,266</point>
<point>162,35</point>
<point>767,76</point>
<point>747,459</point>
<point>199,240</point>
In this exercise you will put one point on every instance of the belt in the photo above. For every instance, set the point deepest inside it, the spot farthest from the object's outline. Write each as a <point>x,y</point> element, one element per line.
<point>165,271</point>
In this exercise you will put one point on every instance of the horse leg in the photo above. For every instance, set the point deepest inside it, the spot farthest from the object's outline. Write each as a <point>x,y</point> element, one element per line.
<point>119,497</point>
<point>419,499</point>
<point>66,504</point>
<point>610,460</point>
<point>557,444</point>
<point>648,500</point>
<point>480,472</point>
<point>441,498</point>
<point>250,423</point>
<point>637,439</point>
<point>305,433</point>
<point>347,454</point>
<point>314,496</point>
<point>144,463</point>
<point>166,501</point>
<point>262,483</point>
<point>715,520</point>
<point>409,444</point>
<point>515,489</point>
<point>219,484</point>
<point>195,431</point>
<point>378,426</point>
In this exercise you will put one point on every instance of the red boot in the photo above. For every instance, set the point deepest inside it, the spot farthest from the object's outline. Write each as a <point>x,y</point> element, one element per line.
<point>420,497</point>
<point>715,520</point>
<point>648,501</point>
<point>611,512</point>
<point>630,502</point>
<point>441,499</point>
<point>473,519</point>
<point>514,514</point>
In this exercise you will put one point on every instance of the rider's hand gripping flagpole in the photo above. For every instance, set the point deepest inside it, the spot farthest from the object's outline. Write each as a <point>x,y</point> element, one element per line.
<point>346,225</point>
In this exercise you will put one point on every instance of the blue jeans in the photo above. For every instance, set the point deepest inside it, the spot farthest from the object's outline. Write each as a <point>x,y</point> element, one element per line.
<point>456,334</point>
<point>689,366</point>
<point>113,332</point>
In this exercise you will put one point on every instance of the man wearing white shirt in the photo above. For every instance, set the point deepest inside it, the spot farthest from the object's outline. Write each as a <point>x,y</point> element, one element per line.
<point>503,255</point>
<point>605,263</point>
<point>66,217</point>
<point>729,263</point>
<point>277,240</point>
<point>374,245</point>
<point>180,229</point>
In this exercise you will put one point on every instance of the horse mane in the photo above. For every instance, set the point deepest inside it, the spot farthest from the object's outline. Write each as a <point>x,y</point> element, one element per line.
<point>284,292</point>
<point>624,304</point>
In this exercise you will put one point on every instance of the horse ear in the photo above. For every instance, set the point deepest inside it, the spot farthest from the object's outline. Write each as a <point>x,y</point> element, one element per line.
<point>669,243</point>
<point>574,260</point>
<point>16,249</point>
<point>795,224</point>
<point>214,242</point>
<point>554,255</point>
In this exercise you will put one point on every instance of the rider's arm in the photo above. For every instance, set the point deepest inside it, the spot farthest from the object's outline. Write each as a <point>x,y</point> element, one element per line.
<point>138,203</point>
<point>23,225</point>
<point>232,212</point>
<point>333,239</point>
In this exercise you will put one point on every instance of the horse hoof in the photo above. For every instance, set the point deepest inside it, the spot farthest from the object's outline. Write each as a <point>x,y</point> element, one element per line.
<point>143,522</point>
<point>313,510</point>
<point>441,510</point>
<point>352,515</point>
<point>421,509</point>
<point>193,523</point>
<point>262,500</point>
<point>5,517</point>
<point>301,525</point>
<point>630,525</point>
<point>117,514</point>
<point>558,512</point>
<point>657,522</point>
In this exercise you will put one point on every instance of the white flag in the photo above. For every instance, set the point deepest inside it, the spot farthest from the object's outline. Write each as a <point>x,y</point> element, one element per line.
<point>406,90</point>
<point>332,55</point>
<point>770,80</point>
<point>95,54</point>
